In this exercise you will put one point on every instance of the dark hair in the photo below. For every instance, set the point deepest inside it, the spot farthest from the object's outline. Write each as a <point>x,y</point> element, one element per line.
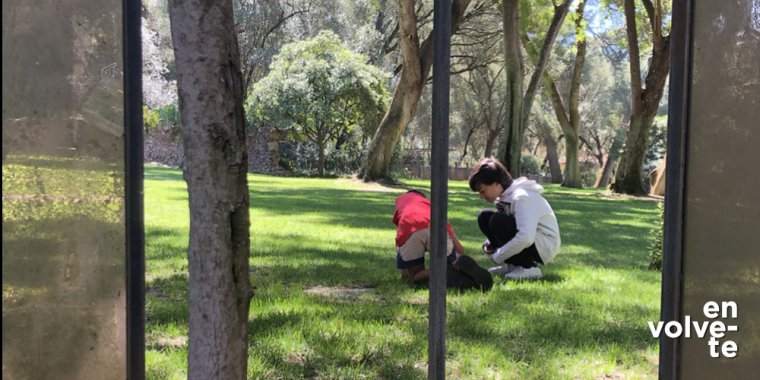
<point>488,171</point>
<point>417,192</point>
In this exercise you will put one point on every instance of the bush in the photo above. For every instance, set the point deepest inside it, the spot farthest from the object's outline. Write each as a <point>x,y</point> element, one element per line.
<point>165,119</point>
<point>589,171</point>
<point>302,158</point>
<point>530,164</point>
<point>657,236</point>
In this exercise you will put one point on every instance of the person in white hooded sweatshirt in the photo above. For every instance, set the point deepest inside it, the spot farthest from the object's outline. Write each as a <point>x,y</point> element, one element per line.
<point>523,231</point>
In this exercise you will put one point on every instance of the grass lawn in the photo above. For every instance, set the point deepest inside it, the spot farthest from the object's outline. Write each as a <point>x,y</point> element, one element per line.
<point>329,303</point>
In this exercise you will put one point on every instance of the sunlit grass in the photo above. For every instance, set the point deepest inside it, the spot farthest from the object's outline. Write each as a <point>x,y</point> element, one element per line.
<point>329,303</point>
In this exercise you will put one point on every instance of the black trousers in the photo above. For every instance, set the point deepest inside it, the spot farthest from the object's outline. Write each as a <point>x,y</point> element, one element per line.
<point>500,228</point>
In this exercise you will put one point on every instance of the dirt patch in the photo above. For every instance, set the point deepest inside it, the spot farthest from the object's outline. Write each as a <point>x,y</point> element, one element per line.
<point>649,197</point>
<point>359,184</point>
<point>341,293</point>
<point>166,342</point>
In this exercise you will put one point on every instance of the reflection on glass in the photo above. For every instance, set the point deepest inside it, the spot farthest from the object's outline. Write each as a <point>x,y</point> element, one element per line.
<point>63,191</point>
<point>721,240</point>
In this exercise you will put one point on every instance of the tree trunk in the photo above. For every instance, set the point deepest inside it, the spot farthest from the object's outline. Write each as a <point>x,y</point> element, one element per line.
<point>210,91</point>
<point>510,148</point>
<point>519,105</point>
<point>629,178</point>
<point>553,157</point>
<point>609,164</point>
<point>418,60</point>
<point>572,167</point>
<point>560,13</point>
<point>604,176</point>
<point>572,142</point>
<point>545,133</point>
<point>321,161</point>
<point>644,100</point>
<point>466,141</point>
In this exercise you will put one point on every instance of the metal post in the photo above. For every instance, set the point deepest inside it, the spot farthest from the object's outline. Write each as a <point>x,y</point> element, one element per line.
<point>439,189</point>
<point>675,193</point>
<point>133,167</point>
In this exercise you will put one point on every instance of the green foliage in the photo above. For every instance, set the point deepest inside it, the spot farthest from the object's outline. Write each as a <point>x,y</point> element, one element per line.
<point>317,89</point>
<point>301,157</point>
<point>589,171</point>
<point>657,241</point>
<point>150,118</point>
<point>166,119</point>
<point>530,164</point>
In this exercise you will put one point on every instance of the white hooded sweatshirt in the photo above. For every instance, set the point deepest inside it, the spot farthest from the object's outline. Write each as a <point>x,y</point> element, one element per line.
<point>536,222</point>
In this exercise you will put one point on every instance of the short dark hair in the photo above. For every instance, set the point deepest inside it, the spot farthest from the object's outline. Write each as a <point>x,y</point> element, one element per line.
<point>417,192</point>
<point>488,171</point>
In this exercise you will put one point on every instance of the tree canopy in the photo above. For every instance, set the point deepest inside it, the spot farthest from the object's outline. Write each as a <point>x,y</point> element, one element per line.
<point>318,89</point>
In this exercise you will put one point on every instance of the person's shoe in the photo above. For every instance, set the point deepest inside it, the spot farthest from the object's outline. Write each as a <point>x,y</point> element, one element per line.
<point>521,273</point>
<point>468,266</point>
<point>502,270</point>
<point>456,279</point>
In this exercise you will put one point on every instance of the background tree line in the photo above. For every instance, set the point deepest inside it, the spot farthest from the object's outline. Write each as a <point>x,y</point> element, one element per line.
<point>545,81</point>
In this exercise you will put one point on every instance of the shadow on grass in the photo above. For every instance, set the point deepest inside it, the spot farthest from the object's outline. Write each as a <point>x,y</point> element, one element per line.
<point>539,321</point>
<point>323,349</point>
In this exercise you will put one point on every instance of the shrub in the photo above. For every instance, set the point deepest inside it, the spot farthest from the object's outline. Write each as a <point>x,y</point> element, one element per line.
<point>530,164</point>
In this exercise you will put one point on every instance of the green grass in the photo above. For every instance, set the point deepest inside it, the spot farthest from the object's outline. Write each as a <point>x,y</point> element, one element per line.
<point>329,303</point>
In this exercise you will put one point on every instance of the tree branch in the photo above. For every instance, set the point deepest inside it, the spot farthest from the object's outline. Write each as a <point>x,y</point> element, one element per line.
<point>651,14</point>
<point>543,58</point>
<point>580,58</point>
<point>634,55</point>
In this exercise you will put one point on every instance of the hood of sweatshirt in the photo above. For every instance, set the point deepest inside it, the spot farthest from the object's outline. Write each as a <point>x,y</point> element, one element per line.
<point>519,188</point>
<point>524,184</point>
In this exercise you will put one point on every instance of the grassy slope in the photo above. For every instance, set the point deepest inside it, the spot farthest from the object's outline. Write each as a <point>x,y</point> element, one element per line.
<point>313,237</point>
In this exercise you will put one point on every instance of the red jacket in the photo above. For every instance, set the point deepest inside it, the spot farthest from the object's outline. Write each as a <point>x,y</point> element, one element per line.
<point>412,214</point>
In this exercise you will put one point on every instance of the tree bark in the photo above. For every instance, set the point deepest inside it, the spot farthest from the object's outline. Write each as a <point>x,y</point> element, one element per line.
<point>550,142</point>
<point>519,104</point>
<point>644,100</point>
<point>609,164</point>
<point>604,176</point>
<point>418,60</point>
<point>321,161</point>
<point>572,142</point>
<point>510,148</point>
<point>569,119</point>
<point>210,91</point>
<point>560,13</point>
<point>493,134</point>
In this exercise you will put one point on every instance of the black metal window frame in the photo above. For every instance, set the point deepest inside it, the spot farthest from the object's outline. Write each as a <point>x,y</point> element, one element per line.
<point>133,167</point>
<point>671,308</point>
<point>672,274</point>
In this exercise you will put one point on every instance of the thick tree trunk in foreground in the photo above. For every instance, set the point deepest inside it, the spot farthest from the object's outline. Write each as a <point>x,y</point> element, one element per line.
<point>644,100</point>
<point>211,104</point>
<point>418,60</point>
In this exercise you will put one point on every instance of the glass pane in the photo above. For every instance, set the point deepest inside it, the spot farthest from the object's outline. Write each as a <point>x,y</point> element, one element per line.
<point>63,190</point>
<point>721,237</point>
